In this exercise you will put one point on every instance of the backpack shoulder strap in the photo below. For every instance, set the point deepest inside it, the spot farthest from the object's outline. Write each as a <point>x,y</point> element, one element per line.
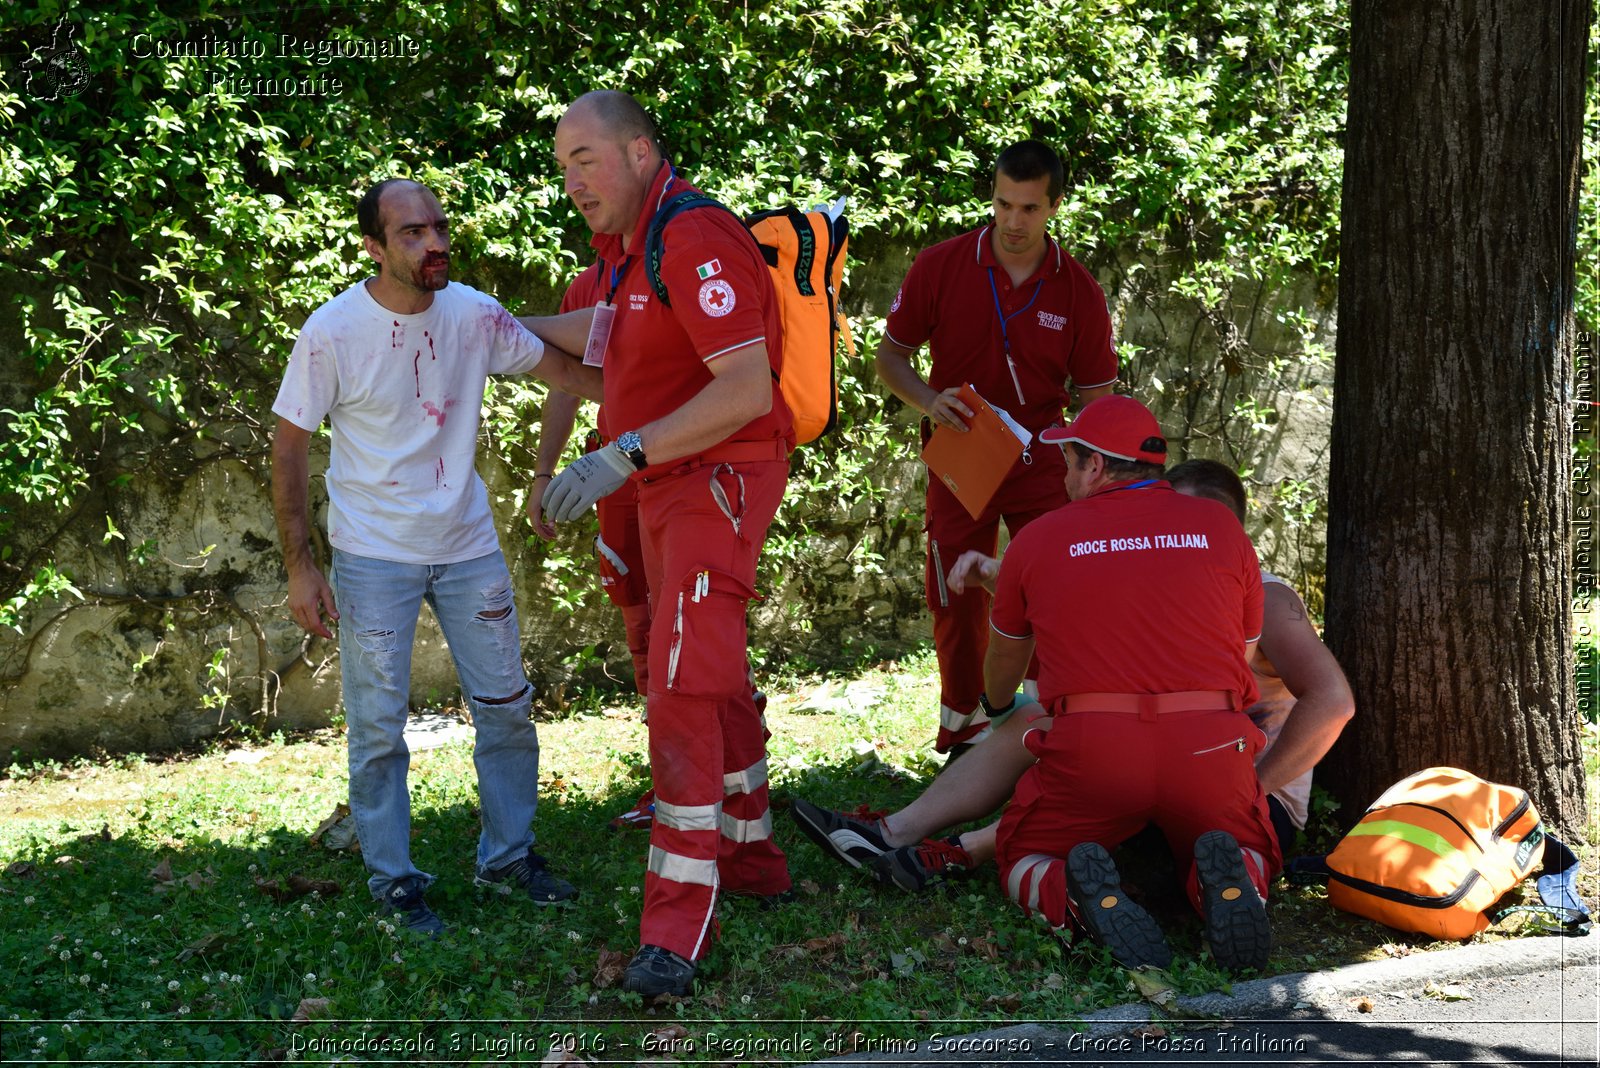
<point>674,206</point>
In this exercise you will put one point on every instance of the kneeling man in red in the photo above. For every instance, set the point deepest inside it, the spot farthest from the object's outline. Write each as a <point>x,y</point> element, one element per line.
<point>1144,606</point>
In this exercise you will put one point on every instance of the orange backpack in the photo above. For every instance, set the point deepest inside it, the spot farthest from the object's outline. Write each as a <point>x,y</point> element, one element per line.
<point>1435,853</point>
<point>805,251</point>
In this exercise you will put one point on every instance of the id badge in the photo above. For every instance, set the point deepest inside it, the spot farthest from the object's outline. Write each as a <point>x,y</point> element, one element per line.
<point>594,350</point>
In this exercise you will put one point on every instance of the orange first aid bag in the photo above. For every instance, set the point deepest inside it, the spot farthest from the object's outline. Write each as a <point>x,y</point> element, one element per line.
<point>1436,852</point>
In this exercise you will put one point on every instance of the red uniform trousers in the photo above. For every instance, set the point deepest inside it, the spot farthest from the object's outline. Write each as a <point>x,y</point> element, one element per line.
<point>702,529</point>
<point>1102,776</point>
<point>621,562</point>
<point>961,621</point>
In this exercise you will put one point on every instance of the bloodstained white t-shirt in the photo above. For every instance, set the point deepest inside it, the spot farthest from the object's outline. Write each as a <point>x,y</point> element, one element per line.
<point>403,395</point>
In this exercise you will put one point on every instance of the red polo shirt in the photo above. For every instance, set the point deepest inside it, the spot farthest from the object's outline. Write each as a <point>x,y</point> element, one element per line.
<point>1056,323</point>
<point>1134,589</point>
<point>722,301</point>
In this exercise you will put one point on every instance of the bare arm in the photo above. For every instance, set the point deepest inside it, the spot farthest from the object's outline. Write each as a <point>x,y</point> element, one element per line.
<point>1323,702</point>
<point>555,427</point>
<point>309,593</point>
<point>893,364</point>
<point>570,375</point>
<point>1004,666</point>
<point>740,390</point>
<point>568,331</point>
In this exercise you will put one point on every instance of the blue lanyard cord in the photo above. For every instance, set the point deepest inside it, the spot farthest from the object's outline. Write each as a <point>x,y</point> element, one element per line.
<point>1005,338</point>
<point>617,273</point>
<point>1133,485</point>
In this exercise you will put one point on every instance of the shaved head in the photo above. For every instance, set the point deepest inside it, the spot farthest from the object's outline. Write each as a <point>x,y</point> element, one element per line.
<point>618,114</point>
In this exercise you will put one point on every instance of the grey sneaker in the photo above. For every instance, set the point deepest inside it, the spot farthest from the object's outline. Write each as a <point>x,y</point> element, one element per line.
<point>853,838</point>
<point>405,898</point>
<point>529,874</point>
<point>1110,917</point>
<point>1235,916</point>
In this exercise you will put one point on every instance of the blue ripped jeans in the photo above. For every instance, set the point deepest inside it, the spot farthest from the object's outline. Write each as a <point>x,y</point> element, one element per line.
<point>378,602</point>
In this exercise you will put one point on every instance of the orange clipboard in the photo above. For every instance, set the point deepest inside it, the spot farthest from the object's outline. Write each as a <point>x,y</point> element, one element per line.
<point>972,465</point>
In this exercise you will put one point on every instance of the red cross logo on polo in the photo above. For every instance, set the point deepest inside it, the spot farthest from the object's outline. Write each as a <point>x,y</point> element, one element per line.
<point>716,298</point>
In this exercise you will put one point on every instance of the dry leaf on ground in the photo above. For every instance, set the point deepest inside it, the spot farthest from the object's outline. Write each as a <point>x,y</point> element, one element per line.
<point>608,968</point>
<point>162,873</point>
<point>202,944</point>
<point>309,1009</point>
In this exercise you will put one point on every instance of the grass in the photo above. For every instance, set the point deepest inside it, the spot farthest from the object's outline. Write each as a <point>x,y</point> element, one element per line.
<point>129,960</point>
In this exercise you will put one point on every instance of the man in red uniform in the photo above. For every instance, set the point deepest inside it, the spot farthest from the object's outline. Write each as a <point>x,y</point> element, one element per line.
<point>1143,606</point>
<point>704,434</point>
<point>1005,308</point>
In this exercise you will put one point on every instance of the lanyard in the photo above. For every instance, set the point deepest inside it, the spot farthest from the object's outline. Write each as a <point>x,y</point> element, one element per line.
<point>1131,485</point>
<point>617,274</point>
<point>1005,339</point>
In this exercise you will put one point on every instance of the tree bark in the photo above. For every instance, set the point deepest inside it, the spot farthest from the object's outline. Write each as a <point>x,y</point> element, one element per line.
<point>1449,580</point>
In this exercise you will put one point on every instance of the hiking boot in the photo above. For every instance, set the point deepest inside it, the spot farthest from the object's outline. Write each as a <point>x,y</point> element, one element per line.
<point>641,815</point>
<point>1108,915</point>
<point>405,898</point>
<point>912,868</point>
<point>528,874</point>
<point>654,971</point>
<point>1235,916</point>
<point>854,838</point>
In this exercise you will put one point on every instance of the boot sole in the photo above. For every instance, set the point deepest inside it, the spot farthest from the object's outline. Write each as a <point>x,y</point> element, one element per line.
<point>1111,917</point>
<point>1236,923</point>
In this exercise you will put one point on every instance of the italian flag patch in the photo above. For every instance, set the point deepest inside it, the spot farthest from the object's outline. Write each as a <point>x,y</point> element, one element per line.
<point>709,268</point>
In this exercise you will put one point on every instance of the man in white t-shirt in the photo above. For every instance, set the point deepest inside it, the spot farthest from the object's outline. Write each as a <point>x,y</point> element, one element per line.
<point>398,364</point>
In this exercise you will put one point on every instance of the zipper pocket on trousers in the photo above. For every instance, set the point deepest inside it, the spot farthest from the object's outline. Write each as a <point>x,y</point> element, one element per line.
<point>699,587</point>
<point>1237,744</point>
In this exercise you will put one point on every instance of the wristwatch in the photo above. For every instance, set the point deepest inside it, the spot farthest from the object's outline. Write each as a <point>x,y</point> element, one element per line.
<point>632,447</point>
<point>995,713</point>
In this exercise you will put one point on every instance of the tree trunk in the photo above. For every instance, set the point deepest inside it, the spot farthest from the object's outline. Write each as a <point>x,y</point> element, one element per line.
<point>1449,581</point>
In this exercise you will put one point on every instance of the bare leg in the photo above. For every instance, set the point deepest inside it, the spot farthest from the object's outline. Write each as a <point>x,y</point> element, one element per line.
<point>971,788</point>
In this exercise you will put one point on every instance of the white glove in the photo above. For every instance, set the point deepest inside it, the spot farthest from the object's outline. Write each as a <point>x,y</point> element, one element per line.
<point>584,481</point>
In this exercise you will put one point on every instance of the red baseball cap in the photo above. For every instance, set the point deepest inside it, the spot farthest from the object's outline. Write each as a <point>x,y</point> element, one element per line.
<point>1120,427</point>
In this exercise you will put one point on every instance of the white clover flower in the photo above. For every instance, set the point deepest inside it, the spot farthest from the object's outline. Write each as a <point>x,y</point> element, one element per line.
<point>28,900</point>
<point>311,977</point>
<point>65,954</point>
<point>744,999</point>
<point>183,1010</point>
<point>398,959</point>
<point>83,980</point>
<point>206,979</point>
<point>96,955</point>
<point>115,931</point>
<point>172,984</point>
<point>475,931</point>
<point>338,915</point>
<point>144,1004</point>
<point>574,936</point>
